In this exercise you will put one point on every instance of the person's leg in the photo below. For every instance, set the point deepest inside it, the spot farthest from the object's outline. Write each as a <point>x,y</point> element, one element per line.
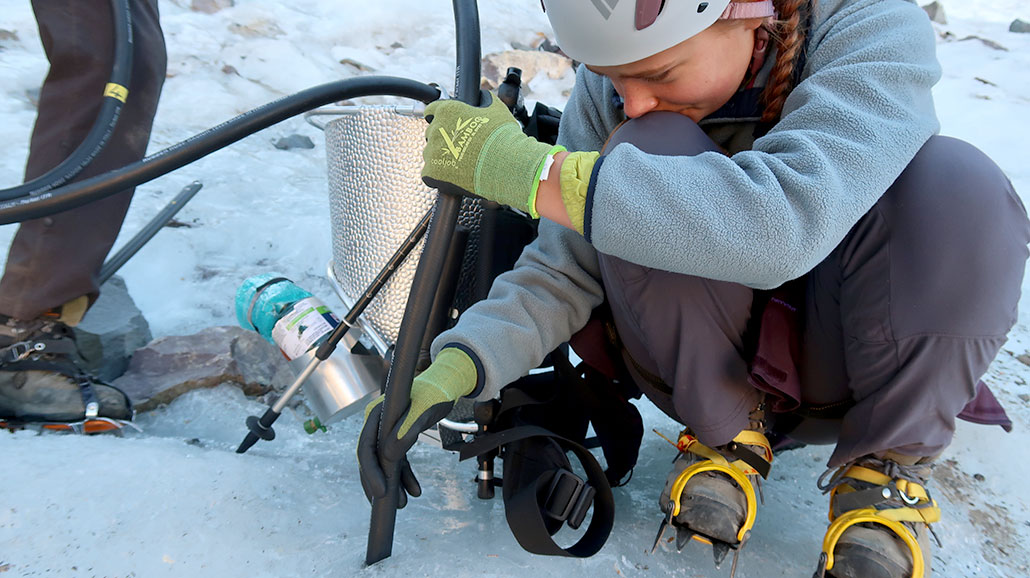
<point>683,332</point>
<point>903,318</point>
<point>55,259</point>
<point>685,339</point>
<point>910,309</point>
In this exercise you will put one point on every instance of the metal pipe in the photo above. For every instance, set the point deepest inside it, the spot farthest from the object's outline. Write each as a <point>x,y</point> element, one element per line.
<point>423,288</point>
<point>148,231</point>
<point>295,386</point>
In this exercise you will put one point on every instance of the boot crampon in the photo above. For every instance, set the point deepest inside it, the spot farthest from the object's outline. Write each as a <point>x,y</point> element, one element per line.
<point>42,385</point>
<point>880,516</point>
<point>711,499</point>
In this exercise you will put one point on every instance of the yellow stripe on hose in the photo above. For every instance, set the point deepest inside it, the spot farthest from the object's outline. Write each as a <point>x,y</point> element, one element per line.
<point>116,91</point>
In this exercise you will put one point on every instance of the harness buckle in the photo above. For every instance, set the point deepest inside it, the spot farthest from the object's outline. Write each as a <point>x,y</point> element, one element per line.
<point>568,498</point>
<point>21,351</point>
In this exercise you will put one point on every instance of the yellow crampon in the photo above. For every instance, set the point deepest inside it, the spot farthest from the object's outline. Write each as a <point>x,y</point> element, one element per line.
<point>738,471</point>
<point>921,508</point>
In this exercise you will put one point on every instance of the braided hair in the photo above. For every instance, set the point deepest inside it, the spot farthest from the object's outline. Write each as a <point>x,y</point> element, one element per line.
<point>788,34</point>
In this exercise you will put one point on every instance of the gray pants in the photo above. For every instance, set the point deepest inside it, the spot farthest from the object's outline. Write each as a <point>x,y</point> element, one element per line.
<point>900,320</point>
<point>56,259</point>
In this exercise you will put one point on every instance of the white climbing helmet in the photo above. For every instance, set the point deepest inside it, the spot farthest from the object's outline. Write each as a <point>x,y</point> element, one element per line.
<point>614,32</point>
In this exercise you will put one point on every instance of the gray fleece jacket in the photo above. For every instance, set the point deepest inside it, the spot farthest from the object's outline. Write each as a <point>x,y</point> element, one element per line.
<point>760,217</point>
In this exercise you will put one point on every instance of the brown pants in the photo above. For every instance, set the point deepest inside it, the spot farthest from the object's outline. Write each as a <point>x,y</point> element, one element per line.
<point>55,259</point>
<point>901,319</point>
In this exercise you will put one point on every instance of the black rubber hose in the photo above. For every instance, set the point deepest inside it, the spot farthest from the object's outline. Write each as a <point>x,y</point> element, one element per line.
<point>115,95</point>
<point>207,142</point>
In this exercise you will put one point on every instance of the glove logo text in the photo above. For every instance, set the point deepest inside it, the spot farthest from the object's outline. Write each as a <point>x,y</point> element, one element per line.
<point>456,141</point>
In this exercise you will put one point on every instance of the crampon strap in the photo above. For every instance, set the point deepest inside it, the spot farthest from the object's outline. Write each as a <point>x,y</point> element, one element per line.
<point>877,505</point>
<point>738,470</point>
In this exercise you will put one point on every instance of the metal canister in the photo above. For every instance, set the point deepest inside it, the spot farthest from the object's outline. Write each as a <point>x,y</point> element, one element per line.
<point>298,322</point>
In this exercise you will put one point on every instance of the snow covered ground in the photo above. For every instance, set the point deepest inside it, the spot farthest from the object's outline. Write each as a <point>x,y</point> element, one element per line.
<point>176,500</point>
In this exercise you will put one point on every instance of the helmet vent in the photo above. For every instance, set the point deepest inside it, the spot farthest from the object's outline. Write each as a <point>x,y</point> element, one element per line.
<point>702,7</point>
<point>647,12</point>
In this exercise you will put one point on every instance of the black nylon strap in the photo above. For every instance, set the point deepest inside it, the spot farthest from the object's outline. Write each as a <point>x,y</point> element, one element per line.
<point>257,293</point>
<point>750,458</point>
<point>90,401</point>
<point>523,509</point>
<point>17,352</point>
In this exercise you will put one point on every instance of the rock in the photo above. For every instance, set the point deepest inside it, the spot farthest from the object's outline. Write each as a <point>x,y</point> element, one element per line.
<point>257,29</point>
<point>540,42</point>
<point>936,12</point>
<point>32,95</point>
<point>210,6</point>
<point>294,141</point>
<point>8,35</point>
<point>171,366</point>
<point>1020,26</point>
<point>356,65</point>
<point>987,42</point>
<point>531,62</point>
<point>111,331</point>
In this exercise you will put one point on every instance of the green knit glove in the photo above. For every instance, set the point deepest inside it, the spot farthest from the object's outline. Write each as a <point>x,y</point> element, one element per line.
<point>451,376</point>
<point>482,150</point>
<point>433,393</point>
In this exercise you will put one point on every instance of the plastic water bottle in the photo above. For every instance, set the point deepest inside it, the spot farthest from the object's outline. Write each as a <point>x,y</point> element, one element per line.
<point>284,314</point>
<point>298,323</point>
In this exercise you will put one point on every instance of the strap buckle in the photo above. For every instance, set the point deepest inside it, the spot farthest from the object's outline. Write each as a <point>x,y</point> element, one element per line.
<point>20,351</point>
<point>568,498</point>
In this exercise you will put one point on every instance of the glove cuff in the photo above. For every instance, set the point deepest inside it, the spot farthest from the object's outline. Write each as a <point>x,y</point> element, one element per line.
<point>575,183</point>
<point>509,168</point>
<point>540,176</point>
<point>452,372</point>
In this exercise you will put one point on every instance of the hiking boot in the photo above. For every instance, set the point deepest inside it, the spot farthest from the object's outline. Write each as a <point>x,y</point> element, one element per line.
<point>880,516</point>
<point>709,495</point>
<point>41,381</point>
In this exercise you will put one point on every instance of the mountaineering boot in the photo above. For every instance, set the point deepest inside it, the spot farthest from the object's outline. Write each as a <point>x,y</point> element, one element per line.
<point>709,495</point>
<point>42,383</point>
<point>880,516</point>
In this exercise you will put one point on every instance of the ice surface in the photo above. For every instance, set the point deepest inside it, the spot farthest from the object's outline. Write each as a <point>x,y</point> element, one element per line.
<point>177,501</point>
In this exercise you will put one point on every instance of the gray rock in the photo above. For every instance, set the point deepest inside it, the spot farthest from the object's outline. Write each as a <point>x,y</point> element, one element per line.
<point>294,141</point>
<point>531,62</point>
<point>171,366</point>
<point>986,41</point>
<point>210,6</point>
<point>358,66</point>
<point>936,12</point>
<point>111,331</point>
<point>1020,26</point>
